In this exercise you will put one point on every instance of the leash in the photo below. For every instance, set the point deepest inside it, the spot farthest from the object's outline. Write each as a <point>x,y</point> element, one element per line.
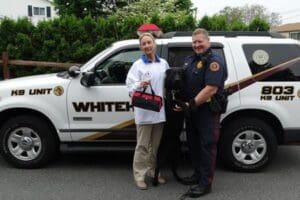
<point>185,195</point>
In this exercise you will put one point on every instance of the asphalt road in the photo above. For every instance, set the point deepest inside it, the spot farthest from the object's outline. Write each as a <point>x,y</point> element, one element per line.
<point>108,176</point>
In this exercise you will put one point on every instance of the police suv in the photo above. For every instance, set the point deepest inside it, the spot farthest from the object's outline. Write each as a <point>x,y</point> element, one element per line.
<point>89,107</point>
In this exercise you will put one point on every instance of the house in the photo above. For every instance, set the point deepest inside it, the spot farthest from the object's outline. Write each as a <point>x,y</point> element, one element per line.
<point>34,10</point>
<point>289,30</point>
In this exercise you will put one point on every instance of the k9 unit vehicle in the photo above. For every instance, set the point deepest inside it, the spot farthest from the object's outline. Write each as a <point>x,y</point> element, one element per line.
<point>89,107</point>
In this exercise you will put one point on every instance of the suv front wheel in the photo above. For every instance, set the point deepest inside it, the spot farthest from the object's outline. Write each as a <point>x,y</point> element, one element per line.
<point>27,142</point>
<point>247,145</point>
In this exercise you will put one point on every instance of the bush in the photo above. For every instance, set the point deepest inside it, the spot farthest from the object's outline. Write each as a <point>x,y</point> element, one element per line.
<point>71,39</point>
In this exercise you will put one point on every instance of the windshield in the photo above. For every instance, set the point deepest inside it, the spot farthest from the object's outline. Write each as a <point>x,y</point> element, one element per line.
<point>96,57</point>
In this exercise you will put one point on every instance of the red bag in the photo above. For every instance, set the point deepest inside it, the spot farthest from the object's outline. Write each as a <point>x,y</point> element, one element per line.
<point>147,101</point>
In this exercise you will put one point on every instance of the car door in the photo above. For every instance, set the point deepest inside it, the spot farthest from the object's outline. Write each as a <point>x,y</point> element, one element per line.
<point>103,111</point>
<point>277,85</point>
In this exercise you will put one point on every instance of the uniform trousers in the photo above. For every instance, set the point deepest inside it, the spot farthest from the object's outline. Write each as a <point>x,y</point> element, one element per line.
<point>202,134</point>
<point>148,140</point>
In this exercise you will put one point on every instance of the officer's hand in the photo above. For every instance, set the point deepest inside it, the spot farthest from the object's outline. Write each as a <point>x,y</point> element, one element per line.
<point>177,108</point>
<point>181,107</point>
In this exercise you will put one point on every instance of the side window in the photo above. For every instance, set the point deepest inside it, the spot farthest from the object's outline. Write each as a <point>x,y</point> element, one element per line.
<point>115,68</point>
<point>177,55</point>
<point>261,57</point>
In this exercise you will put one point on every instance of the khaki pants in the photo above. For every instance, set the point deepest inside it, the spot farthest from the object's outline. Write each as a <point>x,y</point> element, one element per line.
<point>148,140</point>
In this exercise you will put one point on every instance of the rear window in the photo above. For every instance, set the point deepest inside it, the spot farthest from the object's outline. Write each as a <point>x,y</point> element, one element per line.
<point>261,57</point>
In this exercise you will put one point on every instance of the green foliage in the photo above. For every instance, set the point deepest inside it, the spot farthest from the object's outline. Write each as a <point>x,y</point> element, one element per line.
<point>205,23</point>
<point>83,8</point>
<point>187,23</point>
<point>259,24</point>
<point>76,39</point>
<point>7,33</point>
<point>220,23</point>
<point>185,5</point>
<point>246,14</point>
<point>154,18</point>
<point>22,49</point>
<point>16,38</point>
<point>238,25</point>
<point>168,22</point>
<point>162,8</point>
<point>72,39</point>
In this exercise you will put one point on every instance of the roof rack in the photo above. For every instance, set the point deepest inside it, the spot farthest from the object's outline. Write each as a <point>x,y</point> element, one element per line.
<point>225,34</point>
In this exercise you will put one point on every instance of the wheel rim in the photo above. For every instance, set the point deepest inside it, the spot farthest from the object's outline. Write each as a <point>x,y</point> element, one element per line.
<point>24,144</point>
<point>249,147</point>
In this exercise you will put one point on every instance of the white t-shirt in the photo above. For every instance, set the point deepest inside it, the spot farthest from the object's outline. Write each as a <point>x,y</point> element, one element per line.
<point>143,69</point>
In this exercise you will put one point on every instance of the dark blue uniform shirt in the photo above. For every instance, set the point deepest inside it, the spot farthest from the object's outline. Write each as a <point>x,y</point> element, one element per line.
<point>202,70</point>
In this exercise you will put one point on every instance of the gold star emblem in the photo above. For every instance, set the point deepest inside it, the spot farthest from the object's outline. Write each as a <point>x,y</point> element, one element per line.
<point>58,90</point>
<point>199,65</point>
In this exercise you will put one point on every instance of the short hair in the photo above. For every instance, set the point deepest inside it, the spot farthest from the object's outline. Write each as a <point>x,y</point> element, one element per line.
<point>201,31</point>
<point>146,34</point>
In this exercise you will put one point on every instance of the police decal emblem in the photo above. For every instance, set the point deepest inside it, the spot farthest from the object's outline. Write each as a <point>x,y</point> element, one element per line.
<point>58,90</point>
<point>147,75</point>
<point>214,66</point>
<point>199,65</point>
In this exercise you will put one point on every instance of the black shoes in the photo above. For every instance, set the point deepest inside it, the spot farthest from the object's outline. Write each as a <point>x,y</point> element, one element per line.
<point>192,180</point>
<point>196,191</point>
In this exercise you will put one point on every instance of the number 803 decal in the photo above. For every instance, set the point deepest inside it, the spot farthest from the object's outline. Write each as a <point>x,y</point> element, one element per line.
<point>279,93</point>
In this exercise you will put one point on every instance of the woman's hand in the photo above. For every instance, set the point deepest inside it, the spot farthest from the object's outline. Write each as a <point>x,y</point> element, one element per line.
<point>144,83</point>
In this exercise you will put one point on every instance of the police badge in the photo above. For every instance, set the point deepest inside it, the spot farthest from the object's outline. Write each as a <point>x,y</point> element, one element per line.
<point>199,64</point>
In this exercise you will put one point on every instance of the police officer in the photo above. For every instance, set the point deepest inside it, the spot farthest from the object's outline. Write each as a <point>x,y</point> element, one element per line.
<point>205,74</point>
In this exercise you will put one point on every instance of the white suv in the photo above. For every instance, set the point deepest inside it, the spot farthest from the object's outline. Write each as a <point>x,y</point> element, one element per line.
<point>89,107</point>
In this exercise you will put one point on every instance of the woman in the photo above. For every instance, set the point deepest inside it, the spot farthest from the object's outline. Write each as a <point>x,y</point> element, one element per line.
<point>149,69</point>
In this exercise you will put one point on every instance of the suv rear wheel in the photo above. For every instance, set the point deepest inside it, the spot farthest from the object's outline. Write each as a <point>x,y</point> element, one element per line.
<point>27,142</point>
<point>247,145</point>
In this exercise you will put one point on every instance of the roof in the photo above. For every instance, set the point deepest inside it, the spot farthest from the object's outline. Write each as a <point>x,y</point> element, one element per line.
<point>225,34</point>
<point>286,27</point>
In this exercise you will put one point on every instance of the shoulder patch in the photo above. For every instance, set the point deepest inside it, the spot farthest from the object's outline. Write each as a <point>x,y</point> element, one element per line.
<point>214,66</point>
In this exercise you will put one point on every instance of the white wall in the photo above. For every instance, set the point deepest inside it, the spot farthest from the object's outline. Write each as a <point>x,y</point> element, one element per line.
<point>19,8</point>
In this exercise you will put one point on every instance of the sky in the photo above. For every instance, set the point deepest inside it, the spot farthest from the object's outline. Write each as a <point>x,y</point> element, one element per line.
<point>289,10</point>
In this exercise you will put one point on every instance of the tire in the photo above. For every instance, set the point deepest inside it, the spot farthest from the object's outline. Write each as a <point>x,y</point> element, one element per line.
<point>27,142</point>
<point>247,145</point>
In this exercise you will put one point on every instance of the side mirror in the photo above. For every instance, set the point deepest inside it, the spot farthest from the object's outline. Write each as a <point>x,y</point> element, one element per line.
<point>74,71</point>
<point>88,79</point>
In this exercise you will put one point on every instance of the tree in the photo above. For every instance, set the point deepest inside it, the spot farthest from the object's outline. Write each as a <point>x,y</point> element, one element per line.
<point>161,7</point>
<point>259,24</point>
<point>94,8</point>
<point>166,13</point>
<point>186,5</point>
<point>205,22</point>
<point>248,13</point>
<point>219,23</point>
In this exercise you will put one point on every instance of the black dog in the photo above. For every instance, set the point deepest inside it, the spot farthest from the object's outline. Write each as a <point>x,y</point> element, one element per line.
<point>170,145</point>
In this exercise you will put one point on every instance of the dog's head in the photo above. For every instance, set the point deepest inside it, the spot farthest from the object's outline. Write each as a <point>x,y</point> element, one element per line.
<point>174,78</point>
<point>174,85</point>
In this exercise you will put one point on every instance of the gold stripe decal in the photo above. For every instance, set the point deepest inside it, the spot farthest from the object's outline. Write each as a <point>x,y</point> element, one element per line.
<point>229,88</point>
<point>241,84</point>
<point>98,135</point>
